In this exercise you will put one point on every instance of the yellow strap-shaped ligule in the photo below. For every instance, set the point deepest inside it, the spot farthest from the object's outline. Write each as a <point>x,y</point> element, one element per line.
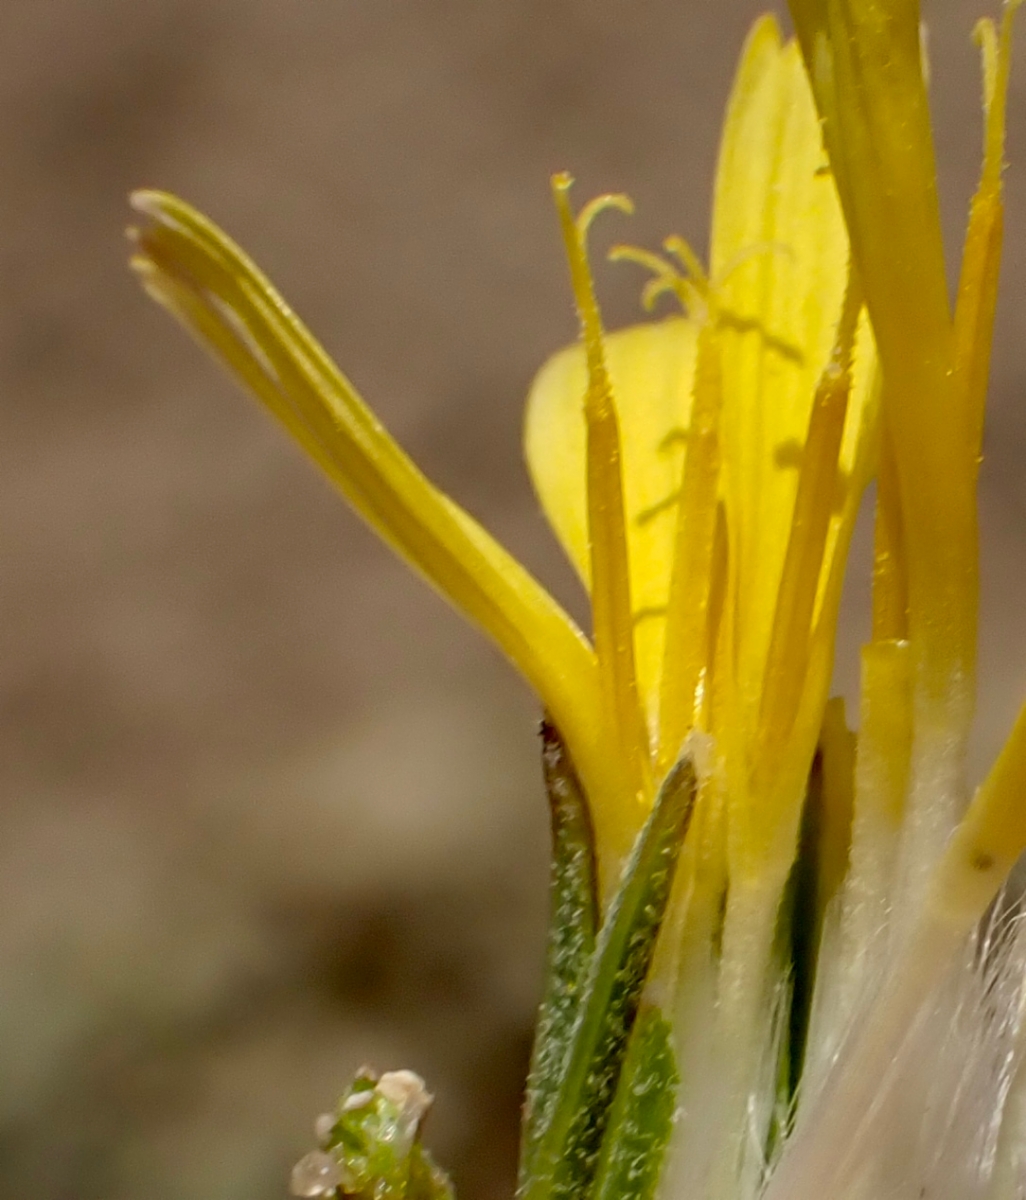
<point>214,289</point>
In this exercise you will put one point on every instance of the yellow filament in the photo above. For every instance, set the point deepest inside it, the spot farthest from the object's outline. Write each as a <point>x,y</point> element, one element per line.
<point>985,36</point>
<point>977,287</point>
<point>717,604</point>
<point>837,800</point>
<point>996,50</point>
<point>990,838</point>
<point>890,584</point>
<point>687,650</point>
<point>607,531</point>
<point>882,765</point>
<point>885,736</point>
<point>817,487</point>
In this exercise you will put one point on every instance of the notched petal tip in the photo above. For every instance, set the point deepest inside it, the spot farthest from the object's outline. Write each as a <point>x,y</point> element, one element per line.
<point>145,200</point>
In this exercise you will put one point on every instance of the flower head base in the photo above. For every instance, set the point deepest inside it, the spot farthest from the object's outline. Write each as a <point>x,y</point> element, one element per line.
<point>773,975</point>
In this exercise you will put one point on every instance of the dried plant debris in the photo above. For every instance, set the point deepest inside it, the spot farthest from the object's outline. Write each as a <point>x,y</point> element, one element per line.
<point>370,1145</point>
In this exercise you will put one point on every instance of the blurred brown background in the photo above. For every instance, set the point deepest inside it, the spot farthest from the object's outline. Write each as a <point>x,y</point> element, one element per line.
<point>268,809</point>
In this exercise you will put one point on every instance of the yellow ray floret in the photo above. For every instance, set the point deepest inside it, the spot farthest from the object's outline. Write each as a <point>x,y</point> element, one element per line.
<point>213,288</point>
<point>714,412</point>
<point>773,190</point>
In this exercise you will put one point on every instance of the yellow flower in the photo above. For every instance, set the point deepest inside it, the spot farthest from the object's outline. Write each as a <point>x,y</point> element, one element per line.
<point>745,368</point>
<point>704,473</point>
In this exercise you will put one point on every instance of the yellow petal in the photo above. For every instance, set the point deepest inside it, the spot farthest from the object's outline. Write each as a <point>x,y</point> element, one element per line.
<point>780,256</point>
<point>651,369</point>
<point>210,285</point>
